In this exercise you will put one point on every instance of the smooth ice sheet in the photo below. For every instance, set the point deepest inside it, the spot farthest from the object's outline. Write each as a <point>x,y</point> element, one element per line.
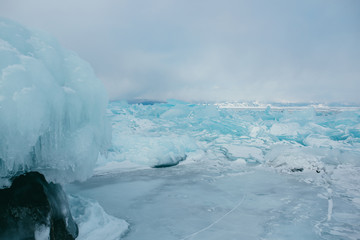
<point>229,202</point>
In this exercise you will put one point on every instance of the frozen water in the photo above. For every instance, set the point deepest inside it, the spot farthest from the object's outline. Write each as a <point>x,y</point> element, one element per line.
<point>93,222</point>
<point>175,170</point>
<point>167,133</point>
<point>232,201</point>
<point>52,107</point>
<point>266,173</point>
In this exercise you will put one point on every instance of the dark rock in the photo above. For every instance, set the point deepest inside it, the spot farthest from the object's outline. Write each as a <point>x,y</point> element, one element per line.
<point>297,169</point>
<point>166,165</point>
<point>172,163</point>
<point>32,204</point>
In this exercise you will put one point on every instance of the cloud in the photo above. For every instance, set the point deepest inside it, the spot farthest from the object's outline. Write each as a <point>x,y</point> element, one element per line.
<point>209,50</point>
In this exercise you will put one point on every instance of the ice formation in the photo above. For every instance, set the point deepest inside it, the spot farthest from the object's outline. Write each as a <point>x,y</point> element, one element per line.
<point>286,139</point>
<point>52,107</point>
<point>94,222</point>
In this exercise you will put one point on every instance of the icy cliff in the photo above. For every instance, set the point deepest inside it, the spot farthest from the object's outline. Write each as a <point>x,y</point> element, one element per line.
<point>52,107</point>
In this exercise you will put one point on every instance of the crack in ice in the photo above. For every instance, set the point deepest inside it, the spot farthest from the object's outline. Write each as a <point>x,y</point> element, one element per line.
<point>330,204</point>
<point>215,222</point>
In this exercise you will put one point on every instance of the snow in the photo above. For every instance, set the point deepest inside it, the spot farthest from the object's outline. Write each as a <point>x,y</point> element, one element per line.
<point>42,232</point>
<point>52,107</point>
<point>93,222</point>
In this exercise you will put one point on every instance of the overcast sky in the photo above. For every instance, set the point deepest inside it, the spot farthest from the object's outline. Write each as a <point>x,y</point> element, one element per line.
<point>207,50</point>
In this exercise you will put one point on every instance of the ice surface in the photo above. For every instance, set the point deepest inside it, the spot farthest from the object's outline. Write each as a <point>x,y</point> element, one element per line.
<point>52,107</point>
<point>249,173</point>
<point>197,201</point>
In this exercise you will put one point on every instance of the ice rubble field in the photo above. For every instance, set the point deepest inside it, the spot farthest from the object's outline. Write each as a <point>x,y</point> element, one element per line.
<point>165,134</point>
<point>240,173</point>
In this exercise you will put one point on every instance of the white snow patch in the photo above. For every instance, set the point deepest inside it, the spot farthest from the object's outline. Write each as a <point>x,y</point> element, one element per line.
<point>42,232</point>
<point>94,223</point>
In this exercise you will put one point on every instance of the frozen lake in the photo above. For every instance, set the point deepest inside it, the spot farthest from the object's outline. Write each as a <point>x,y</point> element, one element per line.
<point>222,202</point>
<point>282,173</point>
<point>175,170</point>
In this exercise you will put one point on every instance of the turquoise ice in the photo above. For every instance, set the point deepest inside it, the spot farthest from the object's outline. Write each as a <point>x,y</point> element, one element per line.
<point>52,107</point>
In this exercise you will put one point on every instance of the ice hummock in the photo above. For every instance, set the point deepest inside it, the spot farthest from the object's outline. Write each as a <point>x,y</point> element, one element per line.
<point>284,138</point>
<point>52,107</point>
